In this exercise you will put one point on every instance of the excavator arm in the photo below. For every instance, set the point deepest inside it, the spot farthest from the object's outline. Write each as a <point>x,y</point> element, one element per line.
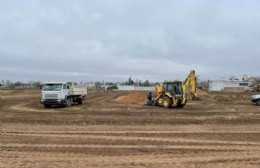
<point>190,84</point>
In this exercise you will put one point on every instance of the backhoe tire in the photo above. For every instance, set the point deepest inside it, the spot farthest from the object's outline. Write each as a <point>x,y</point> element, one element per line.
<point>167,103</point>
<point>155,103</point>
<point>180,105</point>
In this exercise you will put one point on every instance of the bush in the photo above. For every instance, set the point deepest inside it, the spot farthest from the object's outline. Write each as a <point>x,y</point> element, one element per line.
<point>111,88</point>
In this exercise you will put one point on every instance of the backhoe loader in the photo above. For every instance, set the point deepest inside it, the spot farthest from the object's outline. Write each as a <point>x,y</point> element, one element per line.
<point>173,94</point>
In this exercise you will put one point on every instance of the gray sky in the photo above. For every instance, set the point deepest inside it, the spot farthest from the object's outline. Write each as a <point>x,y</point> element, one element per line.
<point>113,39</point>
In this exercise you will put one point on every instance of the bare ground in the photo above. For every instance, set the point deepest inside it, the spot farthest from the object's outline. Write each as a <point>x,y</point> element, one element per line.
<point>221,130</point>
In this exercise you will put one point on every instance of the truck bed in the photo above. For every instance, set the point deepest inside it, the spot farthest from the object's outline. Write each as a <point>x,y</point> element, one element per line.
<point>77,90</point>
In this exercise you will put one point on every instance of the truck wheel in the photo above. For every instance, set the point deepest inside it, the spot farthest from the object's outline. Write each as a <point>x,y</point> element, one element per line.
<point>81,100</point>
<point>258,102</point>
<point>167,103</point>
<point>68,102</point>
<point>47,105</point>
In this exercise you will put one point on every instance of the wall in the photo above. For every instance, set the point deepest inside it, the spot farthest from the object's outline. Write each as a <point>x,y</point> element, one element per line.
<point>220,85</point>
<point>135,88</point>
<point>216,85</point>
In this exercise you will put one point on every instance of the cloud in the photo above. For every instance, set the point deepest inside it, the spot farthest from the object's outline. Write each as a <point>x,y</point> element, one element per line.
<point>112,40</point>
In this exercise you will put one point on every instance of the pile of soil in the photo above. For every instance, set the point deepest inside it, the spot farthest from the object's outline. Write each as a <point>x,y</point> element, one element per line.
<point>202,93</point>
<point>140,97</point>
<point>132,98</point>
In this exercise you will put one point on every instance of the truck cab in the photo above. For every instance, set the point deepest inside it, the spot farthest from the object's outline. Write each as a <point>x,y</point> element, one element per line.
<point>55,93</point>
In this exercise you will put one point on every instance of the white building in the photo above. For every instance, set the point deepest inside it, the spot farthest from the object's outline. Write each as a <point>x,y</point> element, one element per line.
<point>230,85</point>
<point>135,88</point>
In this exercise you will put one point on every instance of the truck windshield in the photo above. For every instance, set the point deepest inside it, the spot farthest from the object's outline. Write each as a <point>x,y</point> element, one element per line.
<point>52,87</point>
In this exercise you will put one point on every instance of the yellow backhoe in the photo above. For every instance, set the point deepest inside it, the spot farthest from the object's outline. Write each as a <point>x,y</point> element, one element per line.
<point>174,94</point>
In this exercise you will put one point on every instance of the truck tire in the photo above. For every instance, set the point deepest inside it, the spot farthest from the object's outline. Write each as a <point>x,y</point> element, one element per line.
<point>47,105</point>
<point>258,102</point>
<point>167,103</point>
<point>68,102</point>
<point>81,100</point>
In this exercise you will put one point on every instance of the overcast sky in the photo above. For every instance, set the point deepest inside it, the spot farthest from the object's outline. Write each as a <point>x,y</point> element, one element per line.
<point>113,39</point>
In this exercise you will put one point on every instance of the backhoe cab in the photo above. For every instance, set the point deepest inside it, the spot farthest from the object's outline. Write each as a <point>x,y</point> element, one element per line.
<point>170,94</point>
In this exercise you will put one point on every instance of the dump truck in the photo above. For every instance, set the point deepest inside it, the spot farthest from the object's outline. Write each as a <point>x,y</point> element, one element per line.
<point>63,93</point>
<point>174,93</point>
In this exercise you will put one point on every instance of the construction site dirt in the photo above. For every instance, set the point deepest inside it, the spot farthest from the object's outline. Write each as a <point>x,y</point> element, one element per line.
<point>220,130</point>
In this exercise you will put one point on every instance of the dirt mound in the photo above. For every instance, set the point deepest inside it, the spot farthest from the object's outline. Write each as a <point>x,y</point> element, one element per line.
<point>202,93</point>
<point>132,98</point>
<point>139,97</point>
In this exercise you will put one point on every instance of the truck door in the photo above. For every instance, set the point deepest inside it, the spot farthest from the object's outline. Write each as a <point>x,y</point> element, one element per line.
<point>65,90</point>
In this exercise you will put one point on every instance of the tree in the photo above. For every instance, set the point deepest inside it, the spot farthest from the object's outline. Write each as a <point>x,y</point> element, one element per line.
<point>38,84</point>
<point>112,87</point>
<point>130,81</point>
<point>98,85</point>
<point>8,82</point>
<point>146,83</point>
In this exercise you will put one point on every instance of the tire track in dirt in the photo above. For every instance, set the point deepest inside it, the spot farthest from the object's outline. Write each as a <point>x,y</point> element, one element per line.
<point>24,107</point>
<point>130,135</point>
<point>149,160</point>
<point>141,138</point>
<point>182,147</point>
<point>103,98</point>
<point>129,132</point>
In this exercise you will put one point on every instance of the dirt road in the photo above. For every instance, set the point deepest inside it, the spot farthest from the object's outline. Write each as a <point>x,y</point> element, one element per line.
<point>222,130</point>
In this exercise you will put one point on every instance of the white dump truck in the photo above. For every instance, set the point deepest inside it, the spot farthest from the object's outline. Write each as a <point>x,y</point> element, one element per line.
<point>62,93</point>
<point>256,99</point>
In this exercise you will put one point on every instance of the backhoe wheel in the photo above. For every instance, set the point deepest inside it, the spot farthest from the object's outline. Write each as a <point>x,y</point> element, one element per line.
<point>179,104</point>
<point>155,103</point>
<point>167,103</point>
